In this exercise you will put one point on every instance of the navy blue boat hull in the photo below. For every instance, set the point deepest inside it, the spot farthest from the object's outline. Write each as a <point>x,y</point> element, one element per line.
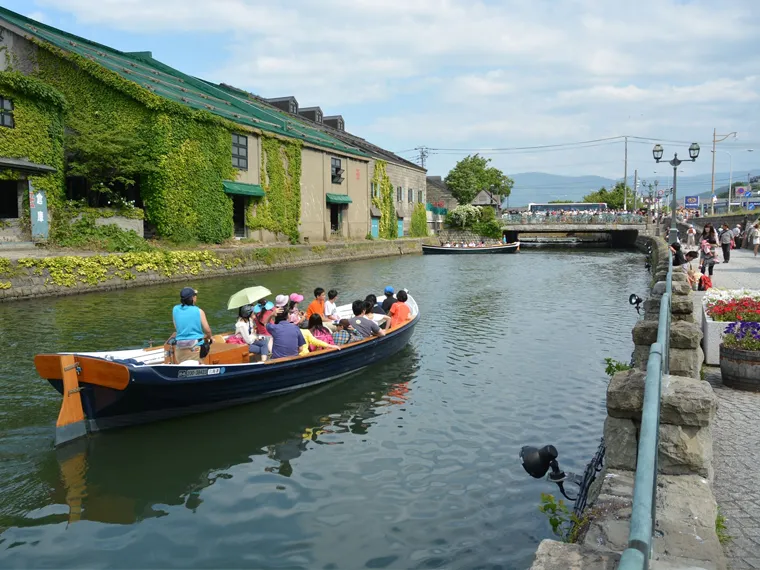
<point>440,250</point>
<point>165,391</point>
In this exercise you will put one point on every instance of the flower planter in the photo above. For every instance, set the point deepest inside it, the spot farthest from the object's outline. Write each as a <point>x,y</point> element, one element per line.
<point>712,336</point>
<point>740,369</point>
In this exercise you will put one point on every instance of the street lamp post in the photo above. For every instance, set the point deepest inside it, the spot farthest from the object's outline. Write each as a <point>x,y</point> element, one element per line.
<point>730,175</point>
<point>657,152</point>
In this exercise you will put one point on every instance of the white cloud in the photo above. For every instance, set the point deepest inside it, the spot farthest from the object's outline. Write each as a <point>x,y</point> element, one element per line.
<point>39,16</point>
<point>478,72</point>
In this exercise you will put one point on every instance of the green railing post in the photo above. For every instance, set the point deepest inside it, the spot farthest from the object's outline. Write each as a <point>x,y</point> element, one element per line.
<point>644,510</point>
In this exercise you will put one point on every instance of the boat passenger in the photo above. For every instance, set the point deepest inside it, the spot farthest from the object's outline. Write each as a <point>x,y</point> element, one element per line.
<point>331,306</point>
<point>244,329</point>
<point>192,332</point>
<point>400,312</point>
<point>318,304</point>
<point>345,333</point>
<point>389,299</point>
<point>316,336</point>
<point>447,244</point>
<point>286,337</point>
<point>295,315</point>
<point>377,308</point>
<point>362,324</point>
<point>261,310</point>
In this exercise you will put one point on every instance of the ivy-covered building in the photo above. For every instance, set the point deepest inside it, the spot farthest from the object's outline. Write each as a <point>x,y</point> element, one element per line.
<point>404,180</point>
<point>219,161</point>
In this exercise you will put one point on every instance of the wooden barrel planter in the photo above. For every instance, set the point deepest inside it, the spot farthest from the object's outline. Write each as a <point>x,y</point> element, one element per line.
<point>740,369</point>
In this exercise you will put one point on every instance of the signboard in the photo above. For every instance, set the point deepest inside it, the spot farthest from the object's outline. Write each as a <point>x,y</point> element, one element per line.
<point>751,206</point>
<point>38,213</point>
<point>691,202</point>
<point>740,191</point>
<point>660,193</point>
<point>358,174</point>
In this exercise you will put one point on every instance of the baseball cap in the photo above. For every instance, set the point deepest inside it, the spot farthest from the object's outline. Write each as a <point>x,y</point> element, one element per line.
<point>281,300</point>
<point>389,290</point>
<point>187,293</point>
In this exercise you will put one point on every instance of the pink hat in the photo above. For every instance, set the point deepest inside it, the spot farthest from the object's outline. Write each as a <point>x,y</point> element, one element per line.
<point>296,297</point>
<point>281,300</point>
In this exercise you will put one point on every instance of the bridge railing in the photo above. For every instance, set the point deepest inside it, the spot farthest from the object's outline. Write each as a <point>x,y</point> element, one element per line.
<point>573,219</point>
<point>639,551</point>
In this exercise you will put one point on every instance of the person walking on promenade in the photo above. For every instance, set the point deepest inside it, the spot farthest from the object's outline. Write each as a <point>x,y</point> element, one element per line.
<point>691,235</point>
<point>756,237</point>
<point>726,237</point>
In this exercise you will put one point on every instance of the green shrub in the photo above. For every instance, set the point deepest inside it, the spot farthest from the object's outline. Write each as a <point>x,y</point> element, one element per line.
<point>419,227</point>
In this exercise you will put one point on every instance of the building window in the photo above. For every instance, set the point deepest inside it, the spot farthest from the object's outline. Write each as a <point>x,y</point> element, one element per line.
<point>336,171</point>
<point>399,194</point>
<point>6,113</point>
<point>419,196</point>
<point>318,116</point>
<point>240,151</point>
<point>411,196</point>
<point>375,189</point>
<point>292,107</point>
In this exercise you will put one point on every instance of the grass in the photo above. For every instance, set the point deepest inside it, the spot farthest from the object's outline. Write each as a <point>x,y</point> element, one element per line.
<point>721,530</point>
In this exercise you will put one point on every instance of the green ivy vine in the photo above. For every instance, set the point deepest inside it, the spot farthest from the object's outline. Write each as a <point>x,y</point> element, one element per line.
<point>37,136</point>
<point>388,225</point>
<point>184,199</point>
<point>280,210</point>
<point>419,226</point>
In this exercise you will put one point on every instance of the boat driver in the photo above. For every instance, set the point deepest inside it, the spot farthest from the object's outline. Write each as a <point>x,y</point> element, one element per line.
<point>192,332</point>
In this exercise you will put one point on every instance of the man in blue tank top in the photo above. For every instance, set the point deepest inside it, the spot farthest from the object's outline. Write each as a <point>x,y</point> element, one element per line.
<point>191,327</point>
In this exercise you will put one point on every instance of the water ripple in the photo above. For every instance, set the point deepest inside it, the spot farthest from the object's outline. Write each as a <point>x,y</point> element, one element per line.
<point>412,463</point>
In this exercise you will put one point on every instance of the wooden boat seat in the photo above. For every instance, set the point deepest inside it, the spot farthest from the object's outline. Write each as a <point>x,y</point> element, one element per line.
<point>223,353</point>
<point>220,353</point>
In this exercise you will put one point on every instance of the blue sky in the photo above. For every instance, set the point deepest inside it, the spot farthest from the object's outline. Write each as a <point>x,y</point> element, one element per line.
<point>469,75</point>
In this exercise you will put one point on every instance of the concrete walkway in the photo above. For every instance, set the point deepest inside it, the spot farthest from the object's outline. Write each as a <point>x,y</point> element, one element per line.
<point>736,437</point>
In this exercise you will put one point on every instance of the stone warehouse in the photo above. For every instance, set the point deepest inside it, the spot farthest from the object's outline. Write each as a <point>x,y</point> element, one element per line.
<point>222,162</point>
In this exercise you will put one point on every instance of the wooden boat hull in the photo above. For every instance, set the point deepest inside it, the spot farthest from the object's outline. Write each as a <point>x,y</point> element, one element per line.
<point>159,392</point>
<point>438,250</point>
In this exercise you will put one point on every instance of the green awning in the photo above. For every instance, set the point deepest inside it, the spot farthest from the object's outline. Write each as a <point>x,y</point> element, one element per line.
<point>338,199</point>
<point>243,189</point>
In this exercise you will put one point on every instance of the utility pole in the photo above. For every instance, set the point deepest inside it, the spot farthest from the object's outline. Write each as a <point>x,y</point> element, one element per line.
<point>635,186</point>
<point>625,177</point>
<point>423,155</point>
<point>716,141</point>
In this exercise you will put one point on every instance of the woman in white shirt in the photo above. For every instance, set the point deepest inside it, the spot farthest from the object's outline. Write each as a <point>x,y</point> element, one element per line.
<point>244,329</point>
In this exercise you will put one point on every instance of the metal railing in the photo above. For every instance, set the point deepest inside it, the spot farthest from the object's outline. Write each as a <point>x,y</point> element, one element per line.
<point>636,556</point>
<point>574,219</point>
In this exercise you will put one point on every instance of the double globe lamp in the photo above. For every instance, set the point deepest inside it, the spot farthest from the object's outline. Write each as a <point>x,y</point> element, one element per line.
<point>657,152</point>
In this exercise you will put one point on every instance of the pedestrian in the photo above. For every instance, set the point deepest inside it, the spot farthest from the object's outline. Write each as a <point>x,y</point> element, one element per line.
<point>756,237</point>
<point>726,237</point>
<point>691,235</point>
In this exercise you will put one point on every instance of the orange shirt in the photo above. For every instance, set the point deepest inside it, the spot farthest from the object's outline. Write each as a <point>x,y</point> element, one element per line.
<point>399,313</point>
<point>316,306</point>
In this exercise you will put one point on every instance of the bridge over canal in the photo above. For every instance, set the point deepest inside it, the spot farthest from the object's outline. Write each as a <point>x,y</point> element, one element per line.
<point>620,229</point>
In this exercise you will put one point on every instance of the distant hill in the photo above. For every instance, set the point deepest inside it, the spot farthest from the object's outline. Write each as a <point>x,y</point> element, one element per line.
<point>542,187</point>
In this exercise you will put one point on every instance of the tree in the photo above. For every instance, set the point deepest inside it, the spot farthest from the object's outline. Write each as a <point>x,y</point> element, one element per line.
<point>560,201</point>
<point>613,198</point>
<point>471,175</point>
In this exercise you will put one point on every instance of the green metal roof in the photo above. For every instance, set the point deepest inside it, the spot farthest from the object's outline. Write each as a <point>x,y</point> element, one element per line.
<point>243,189</point>
<point>167,82</point>
<point>338,199</point>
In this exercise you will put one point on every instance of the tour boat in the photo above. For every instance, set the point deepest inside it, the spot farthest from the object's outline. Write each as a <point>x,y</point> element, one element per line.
<point>109,389</point>
<point>501,248</point>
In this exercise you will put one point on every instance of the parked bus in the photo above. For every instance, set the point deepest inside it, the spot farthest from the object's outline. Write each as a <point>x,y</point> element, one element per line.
<point>574,206</point>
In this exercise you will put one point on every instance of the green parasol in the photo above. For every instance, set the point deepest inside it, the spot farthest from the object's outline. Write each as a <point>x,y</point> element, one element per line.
<point>248,296</point>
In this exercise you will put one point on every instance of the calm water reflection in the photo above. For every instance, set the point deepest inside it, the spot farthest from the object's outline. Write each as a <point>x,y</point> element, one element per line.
<point>408,464</point>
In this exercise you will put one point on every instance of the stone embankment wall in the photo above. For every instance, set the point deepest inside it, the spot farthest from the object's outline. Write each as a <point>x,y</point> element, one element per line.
<point>70,275</point>
<point>686,507</point>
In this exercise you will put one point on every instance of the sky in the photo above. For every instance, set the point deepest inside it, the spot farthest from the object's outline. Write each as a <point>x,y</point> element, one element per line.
<point>459,76</point>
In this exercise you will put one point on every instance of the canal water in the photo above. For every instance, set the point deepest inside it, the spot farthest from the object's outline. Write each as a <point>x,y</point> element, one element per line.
<point>412,463</point>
